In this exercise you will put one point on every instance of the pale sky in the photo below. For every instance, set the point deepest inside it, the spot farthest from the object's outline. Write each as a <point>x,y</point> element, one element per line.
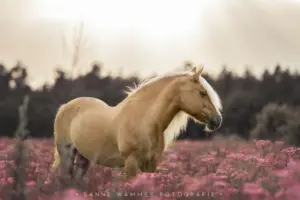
<point>150,36</point>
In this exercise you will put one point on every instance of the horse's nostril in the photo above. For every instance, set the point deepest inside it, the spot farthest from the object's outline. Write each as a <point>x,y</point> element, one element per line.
<point>215,121</point>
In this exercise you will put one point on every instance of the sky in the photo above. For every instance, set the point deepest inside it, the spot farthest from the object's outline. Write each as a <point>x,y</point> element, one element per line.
<point>145,37</point>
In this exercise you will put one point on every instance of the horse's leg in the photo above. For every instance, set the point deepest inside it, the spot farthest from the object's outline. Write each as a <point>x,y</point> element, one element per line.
<point>131,167</point>
<point>65,151</point>
<point>82,166</point>
<point>151,164</point>
<point>73,151</point>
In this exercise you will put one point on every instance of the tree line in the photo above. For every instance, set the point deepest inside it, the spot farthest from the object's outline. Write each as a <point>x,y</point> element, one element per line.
<point>265,108</point>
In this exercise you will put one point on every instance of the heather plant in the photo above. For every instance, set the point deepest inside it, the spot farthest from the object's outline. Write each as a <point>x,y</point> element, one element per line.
<point>258,170</point>
<point>278,122</point>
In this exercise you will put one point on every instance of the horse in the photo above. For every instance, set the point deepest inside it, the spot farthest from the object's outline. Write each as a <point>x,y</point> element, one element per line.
<point>133,134</point>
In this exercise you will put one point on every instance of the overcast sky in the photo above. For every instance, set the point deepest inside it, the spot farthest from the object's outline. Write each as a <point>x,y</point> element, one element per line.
<point>150,36</point>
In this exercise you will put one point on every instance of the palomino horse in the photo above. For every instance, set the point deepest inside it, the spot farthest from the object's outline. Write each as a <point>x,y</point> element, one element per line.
<point>134,133</point>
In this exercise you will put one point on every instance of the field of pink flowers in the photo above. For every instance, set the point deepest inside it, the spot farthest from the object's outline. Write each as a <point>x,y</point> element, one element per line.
<point>220,169</point>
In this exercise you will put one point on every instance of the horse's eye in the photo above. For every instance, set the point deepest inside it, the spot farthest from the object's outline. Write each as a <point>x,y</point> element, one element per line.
<point>203,94</point>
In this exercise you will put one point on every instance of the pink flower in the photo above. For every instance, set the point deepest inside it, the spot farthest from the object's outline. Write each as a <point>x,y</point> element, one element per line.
<point>73,194</point>
<point>30,183</point>
<point>34,164</point>
<point>279,145</point>
<point>220,184</point>
<point>263,162</point>
<point>288,182</point>
<point>280,194</point>
<point>253,189</point>
<point>293,164</point>
<point>227,192</point>
<point>282,173</point>
<point>10,180</point>
<point>293,192</point>
<point>223,150</point>
<point>156,198</point>
<point>236,156</point>
<point>174,156</point>
<point>142,181</point>
<point>193,184</point>
<point>260,143</point>
<point>290,150</point>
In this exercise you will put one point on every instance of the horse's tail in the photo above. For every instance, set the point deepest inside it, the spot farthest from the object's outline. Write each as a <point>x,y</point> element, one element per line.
<point>59,134</point>
<point>56,158</point>
<point>62,139</point>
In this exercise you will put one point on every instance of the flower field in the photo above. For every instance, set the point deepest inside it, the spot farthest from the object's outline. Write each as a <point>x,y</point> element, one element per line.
<point>220,169</point>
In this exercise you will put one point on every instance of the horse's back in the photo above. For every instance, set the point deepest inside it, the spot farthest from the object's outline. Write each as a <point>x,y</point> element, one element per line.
<point>85,102</point>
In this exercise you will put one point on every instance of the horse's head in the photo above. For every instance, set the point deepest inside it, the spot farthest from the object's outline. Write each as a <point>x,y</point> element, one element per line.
<point>198,99</point>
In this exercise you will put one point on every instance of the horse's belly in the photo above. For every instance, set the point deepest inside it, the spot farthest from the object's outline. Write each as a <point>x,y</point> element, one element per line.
<point>111,160</point>
<point>102,158</point>
<point>104,154</point>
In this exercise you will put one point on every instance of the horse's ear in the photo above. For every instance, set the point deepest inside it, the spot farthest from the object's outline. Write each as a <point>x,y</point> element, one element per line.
<point>194,70</point>
<point>197,71</point>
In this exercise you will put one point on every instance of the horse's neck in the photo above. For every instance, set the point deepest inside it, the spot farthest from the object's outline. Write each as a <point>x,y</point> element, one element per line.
<point>154,108</point>
<point>164,109</point>
<point>162,114</point>
<point>156,102</point>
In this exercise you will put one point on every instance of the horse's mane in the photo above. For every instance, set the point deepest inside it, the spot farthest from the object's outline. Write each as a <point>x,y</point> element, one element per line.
<point>214,97</point>
<point>132,89</point>
<point>179,122</point>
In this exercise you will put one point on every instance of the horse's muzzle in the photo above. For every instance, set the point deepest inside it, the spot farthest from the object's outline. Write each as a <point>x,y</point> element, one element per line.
<point>214,122</point>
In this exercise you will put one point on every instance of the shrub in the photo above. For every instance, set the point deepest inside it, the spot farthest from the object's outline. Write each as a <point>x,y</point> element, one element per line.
<point>278,122</point>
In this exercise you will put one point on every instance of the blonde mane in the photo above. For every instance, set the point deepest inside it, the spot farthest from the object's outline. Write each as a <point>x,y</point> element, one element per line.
<point>180,121</point>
